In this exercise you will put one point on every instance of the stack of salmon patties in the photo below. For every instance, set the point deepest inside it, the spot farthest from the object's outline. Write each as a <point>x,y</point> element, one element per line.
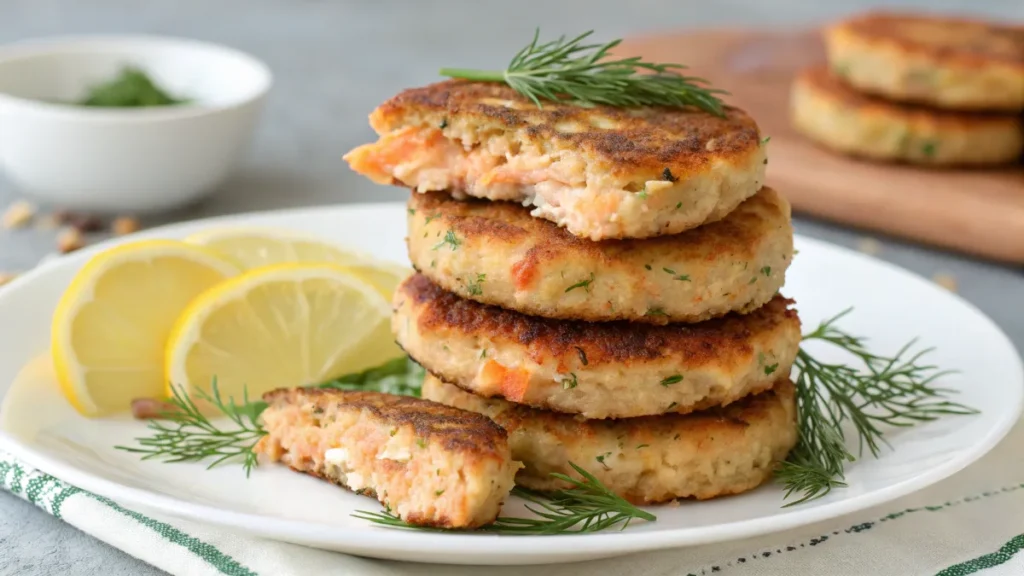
<point>917,88</point>
<point>601,282</point>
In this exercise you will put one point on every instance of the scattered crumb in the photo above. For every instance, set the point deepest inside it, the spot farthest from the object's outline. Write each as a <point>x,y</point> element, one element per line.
<point>19,214</point>
<point>6,277</point>
<point>124,225</point>
<point>946,280</point>
<point>869,246</point>
<point>672,503</point>
<point>83,222</point>
<point>47,221</point>
<point>69,240</point>
<point>152,408</point>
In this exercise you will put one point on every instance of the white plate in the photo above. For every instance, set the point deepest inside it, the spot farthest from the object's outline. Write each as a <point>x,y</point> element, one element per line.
<point>892,306</point>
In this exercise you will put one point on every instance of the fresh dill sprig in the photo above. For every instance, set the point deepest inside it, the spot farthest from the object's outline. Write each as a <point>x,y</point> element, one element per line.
<point>569,70</point>
<point>185,434</point>
<point>586,506</point>
<point>886,391</point>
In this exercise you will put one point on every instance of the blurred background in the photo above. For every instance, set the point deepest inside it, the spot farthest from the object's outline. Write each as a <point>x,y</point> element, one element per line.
<point>333,61</point>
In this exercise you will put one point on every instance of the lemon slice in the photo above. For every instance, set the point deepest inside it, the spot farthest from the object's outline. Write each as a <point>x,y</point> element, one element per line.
<point>280,326</point>
<point>111,324</point>
<point>256,247</point>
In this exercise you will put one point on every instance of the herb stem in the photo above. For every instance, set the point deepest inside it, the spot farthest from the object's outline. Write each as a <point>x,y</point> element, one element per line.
<point>476,75</point>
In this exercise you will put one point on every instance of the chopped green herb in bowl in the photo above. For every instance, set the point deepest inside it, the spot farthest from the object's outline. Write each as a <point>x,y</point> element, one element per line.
<point>132,88</point>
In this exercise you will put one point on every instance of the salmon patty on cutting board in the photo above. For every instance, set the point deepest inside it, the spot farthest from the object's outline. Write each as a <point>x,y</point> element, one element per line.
<point>601,172</point>
<point>703,455</point>
<point>430,464</point>
<point>954,63</point>
<point>495,253</point>
<point>598,370</point>
<point>837,116</point>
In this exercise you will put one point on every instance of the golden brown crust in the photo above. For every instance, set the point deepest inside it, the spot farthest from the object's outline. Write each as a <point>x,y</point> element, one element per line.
<point>635,141</point>
<point>959,40</point>
<point>531,265</point>
<point>451,428</point>
<point>826,85</point>
<point>618,343</point>
<point>646,460</point>
<point>843,119</point>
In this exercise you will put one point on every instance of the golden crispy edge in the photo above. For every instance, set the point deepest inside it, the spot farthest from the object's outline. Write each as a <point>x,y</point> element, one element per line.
<point>603,343</point>
<point>888,27</point>
<point>737,235</point>
<point>455,430</point>
<point>715,420</point>
<point>824,84</point>
<point>644,140</point>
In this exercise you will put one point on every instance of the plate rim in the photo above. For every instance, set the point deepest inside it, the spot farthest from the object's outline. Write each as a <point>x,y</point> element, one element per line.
<point>382,542</point>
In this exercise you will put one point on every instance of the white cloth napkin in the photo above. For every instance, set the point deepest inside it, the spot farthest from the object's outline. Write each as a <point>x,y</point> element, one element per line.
<point>972,523</point>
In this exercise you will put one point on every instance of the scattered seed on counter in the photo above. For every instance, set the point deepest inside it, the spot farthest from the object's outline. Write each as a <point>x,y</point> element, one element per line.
<point>869,246</point>
<point>125,225</point>
<point>83,222</point>
<point>946,280</point>
<point>69,240</point>
<point>19,214</point>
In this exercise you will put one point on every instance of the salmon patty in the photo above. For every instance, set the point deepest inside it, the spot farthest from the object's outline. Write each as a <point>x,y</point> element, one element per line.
<point>646,460</point>
<point>600,172</point>
<point>494,252</point>
<point>598,370</point>
<point>838,117</point>
<point>431,465</point>
<point>953,63</point>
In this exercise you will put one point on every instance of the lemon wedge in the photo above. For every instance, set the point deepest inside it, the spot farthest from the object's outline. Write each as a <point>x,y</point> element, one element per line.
<point>279,326</point>
<point>256,247</point>
<point>111,324</point>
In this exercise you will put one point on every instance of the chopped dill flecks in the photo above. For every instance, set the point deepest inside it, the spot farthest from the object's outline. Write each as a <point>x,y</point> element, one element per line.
<point>585,284</point>
<point>449,239</point>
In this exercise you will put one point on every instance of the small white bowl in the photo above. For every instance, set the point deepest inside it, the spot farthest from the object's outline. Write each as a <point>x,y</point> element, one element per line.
<point>125,159</point>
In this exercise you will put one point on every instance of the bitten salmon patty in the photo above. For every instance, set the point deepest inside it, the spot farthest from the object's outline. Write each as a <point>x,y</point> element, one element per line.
<point>953,63</point>
<point>494,252</point>
<point>431,465</point>
<point>598,370</point>
<point>600,172</point>
<point>837,116</point>
<point>647,460</point>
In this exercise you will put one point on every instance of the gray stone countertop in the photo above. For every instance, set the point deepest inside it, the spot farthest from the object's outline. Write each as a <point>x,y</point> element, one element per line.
<point>333,61</point>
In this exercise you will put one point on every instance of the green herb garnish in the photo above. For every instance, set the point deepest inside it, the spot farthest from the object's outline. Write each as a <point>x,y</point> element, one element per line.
<point>132,88</point>
<point>475,286</point>
<point>585,284</point>
<point>674,379</point>
<point>450,239</point>
<point>894,391</point>
<point>570,382</point>
<point>570,71</point>
<point>586,506</point>
<point>680,277</point>
<point>185,434</point>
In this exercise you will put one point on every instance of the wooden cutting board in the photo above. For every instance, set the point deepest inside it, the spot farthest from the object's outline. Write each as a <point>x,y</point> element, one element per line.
<point>979,212</point>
